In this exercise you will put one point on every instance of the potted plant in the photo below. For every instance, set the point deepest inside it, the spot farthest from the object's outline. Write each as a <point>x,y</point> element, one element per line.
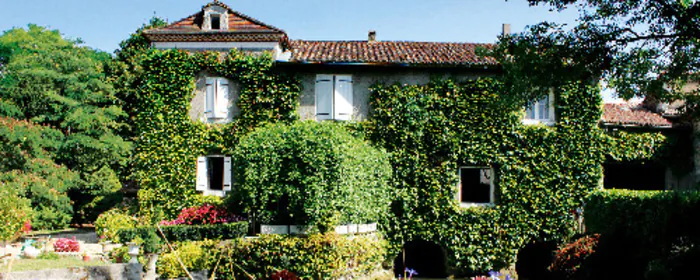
<point>151,247</point>
<point>133,249</point>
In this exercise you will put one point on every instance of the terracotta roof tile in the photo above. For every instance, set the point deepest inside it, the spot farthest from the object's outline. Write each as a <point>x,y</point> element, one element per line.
<point>389,52</point>
<point>632,114</point>
<point>190,28</point>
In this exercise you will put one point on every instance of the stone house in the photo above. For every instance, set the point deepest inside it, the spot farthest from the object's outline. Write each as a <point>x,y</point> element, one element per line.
<point>336,76</point>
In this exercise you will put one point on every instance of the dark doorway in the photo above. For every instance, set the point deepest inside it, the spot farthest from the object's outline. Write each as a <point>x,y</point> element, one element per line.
<point>634,176</point>
<point>426,258</point>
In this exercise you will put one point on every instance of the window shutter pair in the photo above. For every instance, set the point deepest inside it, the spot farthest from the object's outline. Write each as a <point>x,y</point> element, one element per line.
<point>202,183</point>
<point>334,97</point>
<point>216,105</point>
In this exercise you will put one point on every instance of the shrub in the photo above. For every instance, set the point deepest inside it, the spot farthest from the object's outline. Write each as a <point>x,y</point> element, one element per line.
<point>195,255</point>
<point>206,214</point>
<point>317,256</point>
<point>48,256</point>
<point>14,214</point>
<point>66,245</point>
<point>570,260</point>
<point>187,232</point>
<point>639,227</point>
<point>110,222</point>
<point>309,173</point>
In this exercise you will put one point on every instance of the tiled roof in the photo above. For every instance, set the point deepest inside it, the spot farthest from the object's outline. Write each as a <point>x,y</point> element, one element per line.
<point>632,114</point>
<point>389,52</point>
<point>240,28</point>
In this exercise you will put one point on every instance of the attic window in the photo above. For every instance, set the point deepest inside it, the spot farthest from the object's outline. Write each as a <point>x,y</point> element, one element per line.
<point>215,22</point>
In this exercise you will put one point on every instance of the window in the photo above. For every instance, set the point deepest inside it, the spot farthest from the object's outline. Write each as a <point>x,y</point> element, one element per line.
<point>334,97</point>
<point>215,22</point>
<point>476,186</point>
<point>214,175</point>
<point>217,100</point>
<point>541,111</point>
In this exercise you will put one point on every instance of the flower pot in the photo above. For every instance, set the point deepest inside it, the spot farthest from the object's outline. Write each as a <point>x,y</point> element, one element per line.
<point>86,258</point>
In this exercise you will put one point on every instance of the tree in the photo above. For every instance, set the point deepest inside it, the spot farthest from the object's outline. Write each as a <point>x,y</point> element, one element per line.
<point>644,48</point>
<point>54,82</point>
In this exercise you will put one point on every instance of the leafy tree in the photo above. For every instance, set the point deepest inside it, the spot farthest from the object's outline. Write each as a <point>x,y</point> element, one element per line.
<point>57,83</point>
<point>644,48</point>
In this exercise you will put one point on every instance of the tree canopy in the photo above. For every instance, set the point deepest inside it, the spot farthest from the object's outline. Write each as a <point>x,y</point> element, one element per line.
<point>639,48</point>
<point>60,87</point>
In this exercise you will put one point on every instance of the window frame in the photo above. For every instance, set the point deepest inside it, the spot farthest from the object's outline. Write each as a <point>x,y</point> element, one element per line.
<point>216,192</point>
<point>492,187</point>
<point>535,106</point>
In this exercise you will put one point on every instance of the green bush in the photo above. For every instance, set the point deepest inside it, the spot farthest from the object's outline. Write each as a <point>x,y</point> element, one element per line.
<point>310,173</point>
<point>195,255</point>
<point>187,232</point>
<point>110,222</point>
<point>317,256</point>
<point>14,213</point>
<point>645,229</point>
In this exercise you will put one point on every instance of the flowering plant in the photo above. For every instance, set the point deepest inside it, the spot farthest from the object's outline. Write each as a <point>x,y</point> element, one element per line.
<point>570,258</point>
<point>408,273</point>
<point>206,214</point>
<point>66,245</point>
<point>284,275</point>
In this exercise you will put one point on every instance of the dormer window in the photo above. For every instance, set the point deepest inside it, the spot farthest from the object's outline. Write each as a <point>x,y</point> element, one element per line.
<point>215,22</point>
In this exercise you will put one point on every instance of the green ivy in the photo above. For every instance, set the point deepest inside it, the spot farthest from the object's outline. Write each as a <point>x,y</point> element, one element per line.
<point>170,142</point>
<point>543,172</point>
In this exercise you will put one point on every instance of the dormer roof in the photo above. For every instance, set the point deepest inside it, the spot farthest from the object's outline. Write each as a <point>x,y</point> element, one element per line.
<point>239,28</point>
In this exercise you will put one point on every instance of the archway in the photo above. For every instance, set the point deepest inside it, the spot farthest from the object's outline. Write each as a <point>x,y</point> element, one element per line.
<point>425,257</point>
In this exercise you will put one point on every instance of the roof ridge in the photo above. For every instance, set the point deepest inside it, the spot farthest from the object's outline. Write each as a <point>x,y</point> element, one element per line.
<point>242,15</point>
<point>389,41</point>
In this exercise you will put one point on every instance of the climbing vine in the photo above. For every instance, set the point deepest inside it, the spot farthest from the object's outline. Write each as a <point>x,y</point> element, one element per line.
<point>170,142</point>
<point>543,172</point>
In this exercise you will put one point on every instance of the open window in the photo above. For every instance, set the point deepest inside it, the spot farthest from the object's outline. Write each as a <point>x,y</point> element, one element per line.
<point>476,186</point>
<point>214,175</point>
<point>215,21</point>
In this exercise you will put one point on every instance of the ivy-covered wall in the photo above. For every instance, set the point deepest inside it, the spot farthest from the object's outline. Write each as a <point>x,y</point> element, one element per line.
<point>170,141</point>
<point>543,173</point>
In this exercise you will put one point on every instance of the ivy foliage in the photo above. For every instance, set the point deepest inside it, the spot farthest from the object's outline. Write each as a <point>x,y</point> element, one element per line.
<point>543,173</point>
<point>169,141</point>
<point>310,173</point>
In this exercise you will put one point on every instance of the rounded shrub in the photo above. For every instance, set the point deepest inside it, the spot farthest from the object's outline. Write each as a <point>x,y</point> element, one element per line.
<point>309,173</point>
<point>109,223</point>
<point>14,214</point>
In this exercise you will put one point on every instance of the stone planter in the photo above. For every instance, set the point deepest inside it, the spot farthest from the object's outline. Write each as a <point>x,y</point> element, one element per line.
<point>133,251</point>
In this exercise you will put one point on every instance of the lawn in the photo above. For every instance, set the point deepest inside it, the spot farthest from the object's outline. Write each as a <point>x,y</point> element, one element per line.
<point>36,264</point>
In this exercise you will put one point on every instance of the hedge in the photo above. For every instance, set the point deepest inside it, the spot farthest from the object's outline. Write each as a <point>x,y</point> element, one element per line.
<point>317,256</point>
<point>187,232</point>
<point>310,173</point>
<point>653,219</point>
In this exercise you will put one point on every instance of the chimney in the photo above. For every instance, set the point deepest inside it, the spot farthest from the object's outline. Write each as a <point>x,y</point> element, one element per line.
<point>506,29</point>
<point>372,36</point>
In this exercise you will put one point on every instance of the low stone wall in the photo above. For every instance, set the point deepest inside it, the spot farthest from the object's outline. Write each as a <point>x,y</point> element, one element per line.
<point>111,272</point>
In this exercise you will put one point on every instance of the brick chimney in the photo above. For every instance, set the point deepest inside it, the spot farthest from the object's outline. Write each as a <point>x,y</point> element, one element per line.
<point>372,36</point>
<point>506,29</point>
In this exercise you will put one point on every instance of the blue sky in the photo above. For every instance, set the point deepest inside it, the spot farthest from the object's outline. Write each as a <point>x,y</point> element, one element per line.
<point>102,24</point>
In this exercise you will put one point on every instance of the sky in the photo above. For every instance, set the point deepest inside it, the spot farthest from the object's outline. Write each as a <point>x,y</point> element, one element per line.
<point>102,24</point>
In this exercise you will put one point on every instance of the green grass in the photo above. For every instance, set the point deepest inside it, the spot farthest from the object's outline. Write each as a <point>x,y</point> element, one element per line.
<point>27,264</point>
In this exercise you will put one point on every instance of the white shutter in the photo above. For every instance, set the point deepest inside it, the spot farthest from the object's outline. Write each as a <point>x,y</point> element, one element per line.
<point>222,97</point>
<point>343,97</point>
<point>210,95</point>
<point>227,174</point>
<point>202,176</point>
<point>324,97</point>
